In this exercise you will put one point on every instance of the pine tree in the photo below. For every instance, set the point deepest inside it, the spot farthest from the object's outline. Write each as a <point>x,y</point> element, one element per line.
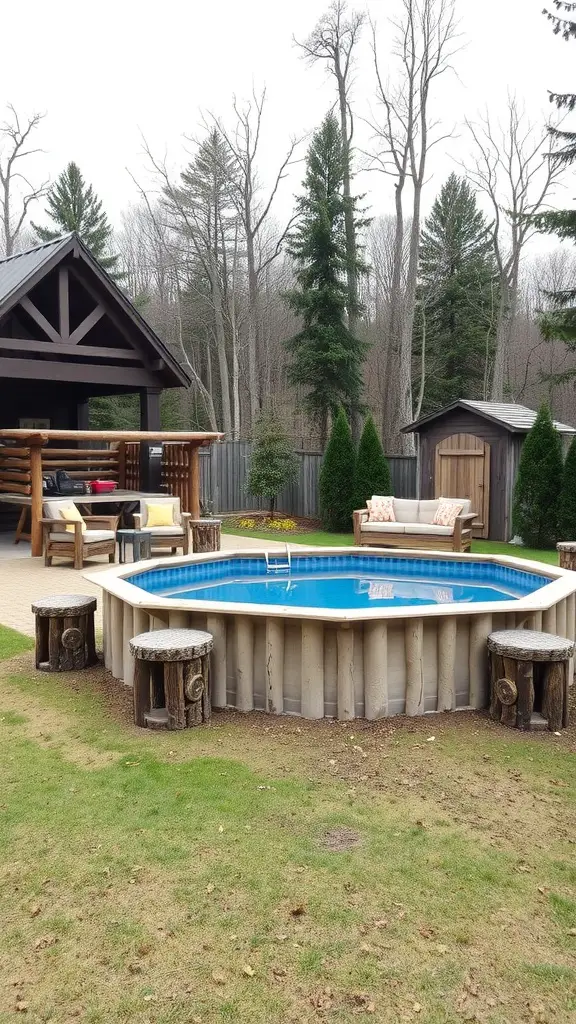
<point>560,321</point>
<point>274,463</point>
<point>372,470</point>
<point>326,357</point>
<point>567,503</point>
<point>456,297</point>
<point>337,477</point>
<point>74,206</point>
<point>538,484</point>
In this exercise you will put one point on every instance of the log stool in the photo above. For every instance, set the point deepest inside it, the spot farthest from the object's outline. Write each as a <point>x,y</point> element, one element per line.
<point>65,632</point>
<point>171,678</point>
<point>205,534</point>
<point>529,679</point>
<point>567,554</point>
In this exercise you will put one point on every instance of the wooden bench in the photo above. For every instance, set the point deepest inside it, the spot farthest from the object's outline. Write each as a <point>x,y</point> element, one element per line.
<point>529,678</point>
<point>171,678</point>
<point>65,632</point>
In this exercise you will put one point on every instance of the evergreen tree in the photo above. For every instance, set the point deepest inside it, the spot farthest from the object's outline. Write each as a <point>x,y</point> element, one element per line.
<point>567,504</point>
<point>326,357</point>
<point>372,470</point>
<point>456,297</point>
<point>74,206</point>
<point>538,484</point>
<point>274,463</point>
<point>560,321</point>
<point>337,477</point>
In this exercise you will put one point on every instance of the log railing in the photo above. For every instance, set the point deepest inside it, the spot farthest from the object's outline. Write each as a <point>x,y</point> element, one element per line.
<point>21,469</point>
<point>179,473</point>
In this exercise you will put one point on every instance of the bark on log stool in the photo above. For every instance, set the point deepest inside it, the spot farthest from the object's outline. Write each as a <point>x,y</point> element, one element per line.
<point>567,554</point>
<point>529,679</point>
<point>205,535</point>
<point>65,632</point>
<point>171,678</point>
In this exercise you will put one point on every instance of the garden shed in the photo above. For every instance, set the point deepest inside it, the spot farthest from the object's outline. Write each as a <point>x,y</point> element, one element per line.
<point>471,450</point>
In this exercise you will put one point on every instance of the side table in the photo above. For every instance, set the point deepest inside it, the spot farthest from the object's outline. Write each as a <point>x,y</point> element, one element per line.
<point>141,541</point>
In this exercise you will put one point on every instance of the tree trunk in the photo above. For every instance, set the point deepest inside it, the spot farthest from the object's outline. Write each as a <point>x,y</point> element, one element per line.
<point>221,351</point>
<point>252,327</point>
<point>506,314</point>
<point>349,227</point>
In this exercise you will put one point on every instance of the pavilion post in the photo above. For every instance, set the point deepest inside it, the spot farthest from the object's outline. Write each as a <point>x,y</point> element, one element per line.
<point>36,497</point>
<point>194,482</point>
<point>150,409</point>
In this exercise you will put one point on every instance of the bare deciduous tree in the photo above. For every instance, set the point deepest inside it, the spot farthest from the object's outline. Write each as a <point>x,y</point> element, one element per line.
<point>333,40</point>
<point>425,44</point>
<point>512,168</point>
<point>243,144</point>
<point>16,190</point>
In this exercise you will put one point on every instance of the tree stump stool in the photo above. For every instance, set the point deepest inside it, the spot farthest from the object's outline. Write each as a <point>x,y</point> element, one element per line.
<point>65,632</point>
<point>567,554</point>
<point>529,679</point>
<point>171,678</point>
<point>205,535</point>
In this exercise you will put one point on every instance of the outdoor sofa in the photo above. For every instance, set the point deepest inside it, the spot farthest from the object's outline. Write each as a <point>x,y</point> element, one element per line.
<point>413,524</point>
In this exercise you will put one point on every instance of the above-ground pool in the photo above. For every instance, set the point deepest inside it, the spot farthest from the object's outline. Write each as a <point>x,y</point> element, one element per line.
<point>346,632</point>
<point>339,581</point>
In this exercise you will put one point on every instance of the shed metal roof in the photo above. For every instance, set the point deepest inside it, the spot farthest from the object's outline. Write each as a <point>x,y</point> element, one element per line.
<point>518,419</point>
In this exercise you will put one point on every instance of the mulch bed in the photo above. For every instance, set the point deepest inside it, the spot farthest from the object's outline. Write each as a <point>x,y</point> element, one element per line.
<point>234,520</point>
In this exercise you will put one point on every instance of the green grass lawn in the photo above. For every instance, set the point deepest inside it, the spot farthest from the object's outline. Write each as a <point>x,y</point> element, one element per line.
<point>184,878</point>
<point>12,643</point>
<point>319,537</point>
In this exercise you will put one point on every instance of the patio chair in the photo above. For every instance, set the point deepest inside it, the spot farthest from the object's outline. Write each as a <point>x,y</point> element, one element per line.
<point>79,538</point>
<point>164,519</point>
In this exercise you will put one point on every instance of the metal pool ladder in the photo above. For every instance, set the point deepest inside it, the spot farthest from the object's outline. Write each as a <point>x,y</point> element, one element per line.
<point>273,565</point>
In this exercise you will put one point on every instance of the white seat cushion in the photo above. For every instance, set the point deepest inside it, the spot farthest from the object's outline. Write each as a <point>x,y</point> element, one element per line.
<point>90,537</point>
<point>427,509</point>
<point>427,529</point>
<point>164,531</point>
<point>406,510</point>
<point>383,528</point>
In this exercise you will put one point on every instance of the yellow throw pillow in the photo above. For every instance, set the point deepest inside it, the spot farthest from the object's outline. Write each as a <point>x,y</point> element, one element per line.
<point>72,515</point>
<point>160,515</point>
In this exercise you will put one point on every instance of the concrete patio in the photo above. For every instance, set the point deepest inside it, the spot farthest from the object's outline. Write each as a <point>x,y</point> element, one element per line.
<point>24,579</point>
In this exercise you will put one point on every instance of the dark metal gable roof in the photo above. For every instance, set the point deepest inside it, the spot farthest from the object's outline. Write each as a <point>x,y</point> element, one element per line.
<point>518,419</point>
<point>21,272</point>
<point>16,270</point>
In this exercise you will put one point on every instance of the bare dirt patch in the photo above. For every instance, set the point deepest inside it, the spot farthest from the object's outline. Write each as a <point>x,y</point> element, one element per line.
<point>341,838</point>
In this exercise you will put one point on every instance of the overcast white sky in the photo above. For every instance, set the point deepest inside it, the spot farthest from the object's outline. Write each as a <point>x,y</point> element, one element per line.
<point>107,73</point>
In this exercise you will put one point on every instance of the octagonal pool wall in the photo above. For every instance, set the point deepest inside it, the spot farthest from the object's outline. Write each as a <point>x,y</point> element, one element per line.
<point>365,664</point>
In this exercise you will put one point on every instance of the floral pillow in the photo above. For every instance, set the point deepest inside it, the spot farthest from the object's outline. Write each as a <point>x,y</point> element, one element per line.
<point>447,513</point>
<point>381,509</point>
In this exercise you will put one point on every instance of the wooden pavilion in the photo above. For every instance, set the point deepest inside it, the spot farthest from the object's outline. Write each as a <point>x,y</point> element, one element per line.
<point>67,334</point>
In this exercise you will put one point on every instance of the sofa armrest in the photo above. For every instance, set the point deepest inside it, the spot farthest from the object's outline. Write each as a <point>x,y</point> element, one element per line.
<point>137,517</point>
<point>97,522</point>
<point>463,528</point>
<point>359,516</point>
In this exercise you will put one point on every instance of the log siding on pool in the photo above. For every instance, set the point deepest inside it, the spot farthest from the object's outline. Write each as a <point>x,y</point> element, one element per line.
<point>339,663</point>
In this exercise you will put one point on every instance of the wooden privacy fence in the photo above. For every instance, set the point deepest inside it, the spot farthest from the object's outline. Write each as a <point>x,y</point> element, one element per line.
<point>224,472</point>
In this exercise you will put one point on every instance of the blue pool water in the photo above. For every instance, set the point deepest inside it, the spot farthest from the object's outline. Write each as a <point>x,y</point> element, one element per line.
<point>340,581</point>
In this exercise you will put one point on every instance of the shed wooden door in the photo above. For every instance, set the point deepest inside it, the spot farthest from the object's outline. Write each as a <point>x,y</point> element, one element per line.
<point>462,470</point>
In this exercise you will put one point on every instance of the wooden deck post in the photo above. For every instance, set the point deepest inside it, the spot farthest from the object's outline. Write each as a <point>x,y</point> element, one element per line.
<point>194,482</point>
<point>36,495</point>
